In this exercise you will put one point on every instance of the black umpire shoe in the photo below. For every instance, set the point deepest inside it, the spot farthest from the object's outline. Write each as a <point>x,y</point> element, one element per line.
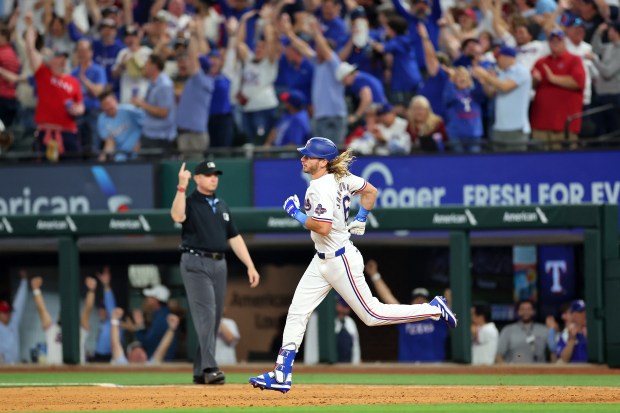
<point>216,377</point>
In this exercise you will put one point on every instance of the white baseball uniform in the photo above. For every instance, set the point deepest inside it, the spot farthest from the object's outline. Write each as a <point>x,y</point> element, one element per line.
<point>340,265</point>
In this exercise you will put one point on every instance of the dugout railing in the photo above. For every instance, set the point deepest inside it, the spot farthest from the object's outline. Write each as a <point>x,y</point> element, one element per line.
<point>600,244</point>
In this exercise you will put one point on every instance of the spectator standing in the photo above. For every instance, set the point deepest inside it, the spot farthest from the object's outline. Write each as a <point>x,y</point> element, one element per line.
<point>329,106</point>
<point>159,126</point>
<point>57,37</point>
<point>463,113</point>
<point>332,25</point>
<point>608,81</point>
<point>293,128</point>
<point>295,70</point>
<point>427,12</point>
<point>436,76</point>
<point>136,352</point>
<point>362,86</point>
<point>358,50</point>
<point>129,67</point>
<point>9,61</point>
<point>405,78</point>
<point>207,231</point>
<point>575,44</point>
<point>221,123</point>
<point>178,19</point>
<point>523,341</point>
<point>120,127</point>
<point>484,336</point>
<point>226,343</point>
<point>572,347</point>
<point>92,80</point>
<point>257,95</point>
<point>589,12</point>
<point>60,101</point>
<point>195,100</point>
<point>559,77</point>
<point>10,320</point>
<point>529,51</point>
<point>24,125</point>
<point>156,302</point>
<point>427,129</point>
<point>421,341</point>
<point>53,331</point>
<point>105,48</point>
<point>511,89</point>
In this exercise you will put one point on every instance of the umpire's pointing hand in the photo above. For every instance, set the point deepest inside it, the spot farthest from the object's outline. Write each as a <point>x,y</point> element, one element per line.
<point>184,176</point>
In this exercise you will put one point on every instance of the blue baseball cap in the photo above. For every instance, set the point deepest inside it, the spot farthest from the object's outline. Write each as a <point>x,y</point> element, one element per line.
<point>294,98</point>
<point>508,51</point>
<point>358,12</point>
<point>572,21</point>
<point>205,64</point>
<point>556,33</point>
<point>285,41</point>
<point>578,306</point>
<point>385,108</point>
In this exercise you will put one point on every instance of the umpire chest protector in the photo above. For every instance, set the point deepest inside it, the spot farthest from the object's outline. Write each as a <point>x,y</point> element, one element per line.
<point>208,224</point>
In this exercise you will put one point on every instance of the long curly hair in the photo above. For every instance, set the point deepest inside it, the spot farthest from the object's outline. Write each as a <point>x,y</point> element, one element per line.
<point>340,165</point>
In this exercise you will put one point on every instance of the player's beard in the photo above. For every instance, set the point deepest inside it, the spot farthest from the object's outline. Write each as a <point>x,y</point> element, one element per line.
<point>309,169</point>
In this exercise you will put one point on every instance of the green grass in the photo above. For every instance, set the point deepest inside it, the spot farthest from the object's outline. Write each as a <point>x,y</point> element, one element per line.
<point>162,378</point>
<point>431,408</point>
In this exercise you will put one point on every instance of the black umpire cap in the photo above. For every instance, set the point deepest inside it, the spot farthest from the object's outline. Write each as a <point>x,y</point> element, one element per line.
<point>207,168</point>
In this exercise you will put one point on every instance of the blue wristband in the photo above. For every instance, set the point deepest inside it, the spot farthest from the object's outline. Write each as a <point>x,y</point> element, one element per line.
<point>362,213</point>
<point>301,217</point>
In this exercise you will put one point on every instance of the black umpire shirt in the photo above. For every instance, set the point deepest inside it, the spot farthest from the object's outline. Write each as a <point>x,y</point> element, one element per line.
<point>208,225</point>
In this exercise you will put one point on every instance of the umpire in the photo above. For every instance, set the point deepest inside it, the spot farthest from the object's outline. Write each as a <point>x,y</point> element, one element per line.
<point>207,226</point>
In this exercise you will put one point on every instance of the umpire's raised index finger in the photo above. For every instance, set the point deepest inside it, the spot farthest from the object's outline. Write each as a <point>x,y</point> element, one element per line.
<point>182,167</point>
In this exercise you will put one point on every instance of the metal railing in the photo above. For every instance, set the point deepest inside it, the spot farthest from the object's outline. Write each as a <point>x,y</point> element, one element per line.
<point>584,114</point>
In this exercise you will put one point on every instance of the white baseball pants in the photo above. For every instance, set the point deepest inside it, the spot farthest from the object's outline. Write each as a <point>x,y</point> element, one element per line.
<point>345,274</point>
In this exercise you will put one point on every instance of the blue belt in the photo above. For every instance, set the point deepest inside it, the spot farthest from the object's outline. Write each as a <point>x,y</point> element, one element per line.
<point>337,253</point>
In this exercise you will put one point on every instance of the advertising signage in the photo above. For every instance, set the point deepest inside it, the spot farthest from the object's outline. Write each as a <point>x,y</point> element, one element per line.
<point>558,178</point>
<point>71,189</point>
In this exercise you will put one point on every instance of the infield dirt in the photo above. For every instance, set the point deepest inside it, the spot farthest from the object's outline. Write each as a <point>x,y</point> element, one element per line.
<point>51,399</point>
<point>93,398</point>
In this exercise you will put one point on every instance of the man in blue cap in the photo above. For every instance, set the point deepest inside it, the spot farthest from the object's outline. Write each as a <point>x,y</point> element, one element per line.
<point>294,127</point>
<point>573,344</point>
<point>511,88</point>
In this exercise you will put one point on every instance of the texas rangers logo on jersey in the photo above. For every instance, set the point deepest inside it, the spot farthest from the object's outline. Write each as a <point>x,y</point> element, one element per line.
<point>319,210</point>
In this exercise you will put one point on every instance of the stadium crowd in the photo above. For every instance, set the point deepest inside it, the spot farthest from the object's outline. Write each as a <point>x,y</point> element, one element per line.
<point>116,78</point>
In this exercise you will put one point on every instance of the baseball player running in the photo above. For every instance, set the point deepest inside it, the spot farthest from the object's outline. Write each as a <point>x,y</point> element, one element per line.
<point>337,263</point>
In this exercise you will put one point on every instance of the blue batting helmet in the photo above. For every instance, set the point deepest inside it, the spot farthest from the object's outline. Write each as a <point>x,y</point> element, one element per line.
<point>321,148</point>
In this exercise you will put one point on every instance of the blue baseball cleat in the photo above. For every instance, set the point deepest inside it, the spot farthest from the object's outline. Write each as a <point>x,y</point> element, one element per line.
<point>446,313</point>
<point>268,381</point>
<point>281,378</point>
